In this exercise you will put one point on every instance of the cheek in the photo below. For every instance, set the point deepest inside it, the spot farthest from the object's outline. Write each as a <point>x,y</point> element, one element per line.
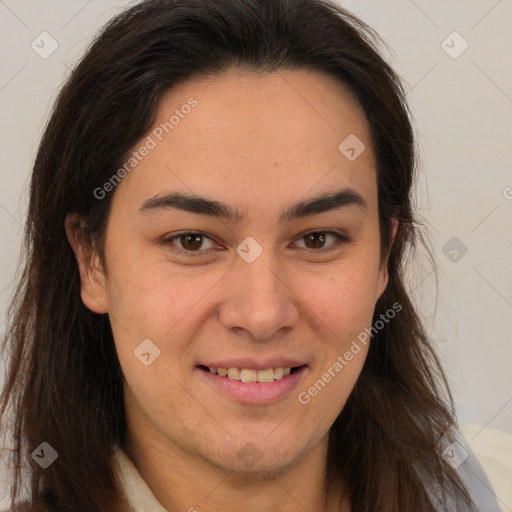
<point>158,395</point>
<point>343,300</point>
<point>153,297</point>
<point>342,307</point>
<point>153,314</point>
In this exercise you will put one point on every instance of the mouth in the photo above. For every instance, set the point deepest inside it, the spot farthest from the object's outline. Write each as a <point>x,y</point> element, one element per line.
<point>251,385</point>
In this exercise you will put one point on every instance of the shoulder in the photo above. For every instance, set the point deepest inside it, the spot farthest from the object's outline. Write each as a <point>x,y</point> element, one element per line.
<point>457,452</point>
<point>477,482</point>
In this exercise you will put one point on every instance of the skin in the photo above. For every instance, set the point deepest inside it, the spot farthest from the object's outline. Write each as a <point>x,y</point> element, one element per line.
<point>258,142</point>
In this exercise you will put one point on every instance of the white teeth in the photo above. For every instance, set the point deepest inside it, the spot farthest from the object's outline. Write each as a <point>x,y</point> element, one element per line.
<point>266,375</point>
<point>247,375</point>
<point>234,373</point>
<point>278,373</point>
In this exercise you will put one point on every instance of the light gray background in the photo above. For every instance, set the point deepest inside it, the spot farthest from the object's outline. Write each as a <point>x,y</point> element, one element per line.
<point>463,114</point>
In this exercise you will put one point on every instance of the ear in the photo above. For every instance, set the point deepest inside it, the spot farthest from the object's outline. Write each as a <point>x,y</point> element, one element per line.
<point>92,278</point>
<point>383,274</point>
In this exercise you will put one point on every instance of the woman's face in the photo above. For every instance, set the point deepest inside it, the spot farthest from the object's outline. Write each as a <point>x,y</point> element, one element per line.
<point>268,287</point>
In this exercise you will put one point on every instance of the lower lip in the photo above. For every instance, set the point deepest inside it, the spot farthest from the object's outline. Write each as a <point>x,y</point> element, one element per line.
<point>254,392</point>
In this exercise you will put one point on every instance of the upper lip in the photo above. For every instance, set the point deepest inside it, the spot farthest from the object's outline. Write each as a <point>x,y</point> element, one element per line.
<point>254,364</point>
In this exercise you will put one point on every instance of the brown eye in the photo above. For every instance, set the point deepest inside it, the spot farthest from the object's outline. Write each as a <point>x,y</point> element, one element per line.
<point>191,241</point>
<point>316,240</point>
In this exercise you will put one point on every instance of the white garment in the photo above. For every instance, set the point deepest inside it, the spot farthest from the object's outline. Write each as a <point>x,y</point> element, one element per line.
<point>139,495</point>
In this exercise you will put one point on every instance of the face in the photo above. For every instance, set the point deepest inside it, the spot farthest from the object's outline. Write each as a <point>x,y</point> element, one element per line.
<point>260,276</point>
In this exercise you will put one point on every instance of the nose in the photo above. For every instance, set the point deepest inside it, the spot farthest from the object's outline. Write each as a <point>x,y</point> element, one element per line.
<point>259,298</point>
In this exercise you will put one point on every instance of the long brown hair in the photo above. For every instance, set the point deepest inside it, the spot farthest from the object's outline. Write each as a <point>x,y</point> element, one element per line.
<point>64,383</point>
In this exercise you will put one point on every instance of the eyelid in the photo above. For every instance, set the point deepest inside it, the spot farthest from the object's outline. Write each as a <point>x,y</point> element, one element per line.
<point>194,254</point>
<point>341,238</point>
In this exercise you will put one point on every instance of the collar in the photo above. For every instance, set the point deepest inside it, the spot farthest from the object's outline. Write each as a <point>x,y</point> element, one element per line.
<point>137,491</point>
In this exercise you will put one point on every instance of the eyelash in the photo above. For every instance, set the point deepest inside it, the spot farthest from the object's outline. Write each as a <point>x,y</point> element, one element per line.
<point>340,239</point>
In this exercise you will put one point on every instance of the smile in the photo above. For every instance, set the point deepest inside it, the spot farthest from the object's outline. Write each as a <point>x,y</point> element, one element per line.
<point>253,386</point>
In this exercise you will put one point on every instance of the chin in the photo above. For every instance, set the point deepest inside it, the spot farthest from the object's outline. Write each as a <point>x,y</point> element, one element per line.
<point>257,455</point>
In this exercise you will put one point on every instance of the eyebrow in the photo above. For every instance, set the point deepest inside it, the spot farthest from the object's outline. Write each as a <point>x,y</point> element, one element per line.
<point>203,206</point>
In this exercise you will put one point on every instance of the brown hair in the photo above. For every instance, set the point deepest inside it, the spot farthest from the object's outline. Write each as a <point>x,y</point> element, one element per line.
<point>64,381</point>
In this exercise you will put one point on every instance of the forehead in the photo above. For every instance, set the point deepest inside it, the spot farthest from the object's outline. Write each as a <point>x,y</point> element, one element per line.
<point>281,106</point>
<point>255,135</point>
